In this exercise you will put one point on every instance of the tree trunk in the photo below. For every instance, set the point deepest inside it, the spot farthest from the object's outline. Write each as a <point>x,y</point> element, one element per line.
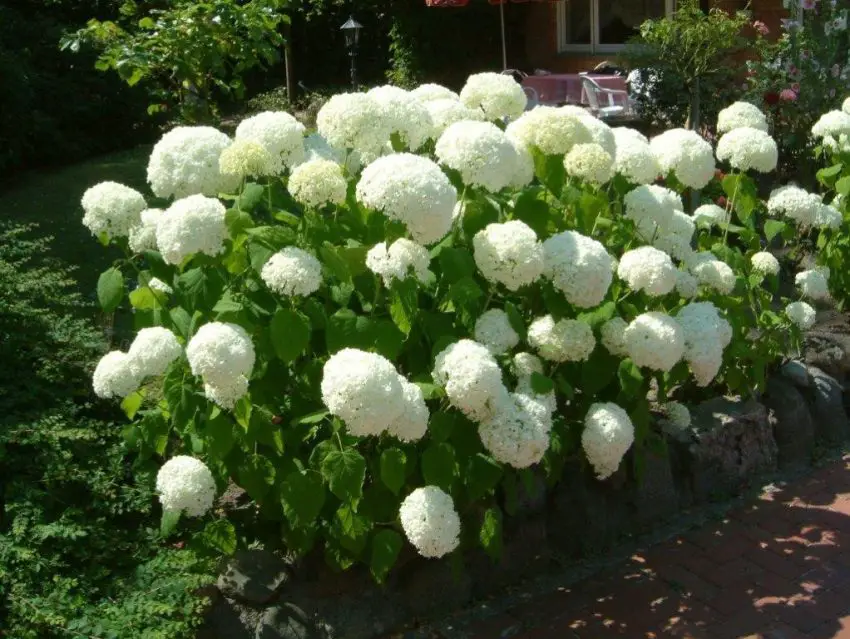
<point>287,62</point>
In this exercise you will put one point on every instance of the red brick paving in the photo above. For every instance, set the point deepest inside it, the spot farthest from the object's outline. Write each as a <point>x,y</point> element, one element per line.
<point>776,568</point>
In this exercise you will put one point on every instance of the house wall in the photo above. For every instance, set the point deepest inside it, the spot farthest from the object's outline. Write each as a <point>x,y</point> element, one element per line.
<point>541,41</point>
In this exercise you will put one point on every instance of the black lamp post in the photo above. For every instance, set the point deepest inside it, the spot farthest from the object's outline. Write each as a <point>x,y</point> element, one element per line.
<point>351,29</point>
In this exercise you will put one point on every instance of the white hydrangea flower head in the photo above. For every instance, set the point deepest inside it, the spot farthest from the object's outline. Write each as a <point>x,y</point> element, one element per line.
<point>403,258</point>
<point>549,129</point>
<point>152,350</point>
<point>845,106</point>
<point>654,340</point>
<point>686,154</point>
<point>431,92</point>
<point>525,365</point>
<point>412,190</point>
<point>226,392</point>
<point>833,124</point>
<point>499,96</point>
<point>447,111</point>
<point>706,334</point>
<point>764,263</point>
<point>409,118</point>
<point>797,204</point>
<point>678,415</point>
<point>279,133</point>
<point>633,158</point>
<point>112,209</point>
<point>481,152</point>
<point>613,334</point>
<point>710,215</point>
<point>566,340</point>
<point>739,115</point>
<point>812,284</point>
<point>365,391</point>
<point>518,432</point>
<point>748,149</point>
<point>651,207</point>
<point>648,269</point>
<point>686,284</point>
<point>185,162</point>
<point>156,284</point>
<point>493,329</point>
<point>114,376</point>
<point>676,238</point>
<point>185,485</point>
<point>318,148</point>
<point>292,272</point>
<point>523,173</point>
<point>354,121</point>
<point>508,254</point>
<point>608,434</point>
<point>221,353</point>
<point>194,224</point>
<point>828,217</point>
<point>471,377</point>
<point>579,267</point>
<point>318,182</point>
<point>246,158</point>
<point>841,144</point>
<point>143,236</point>
<point>590,163</point>
<point>430,521</point>
<point>412,424</point>
<point>801,314</point>
<point>712,272</point>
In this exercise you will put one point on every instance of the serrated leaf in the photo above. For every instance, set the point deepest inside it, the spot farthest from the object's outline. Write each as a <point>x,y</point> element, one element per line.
<point>386,545</point>
<point>302,495</point>
<point>456,264</point>
<point>772,228</point>
<point>482,476</point>
<point>393,469</point>
<point>143,299</point>
<point>345,472</point>
<point>842,186</point>
<point>220,535</point>
<point>490,534</point>
<point>404,303</point>
<point>256,475</point>
<point>533,211</point>
<point>110,289</point>
<point>131,404</point>
<point>438,465</point>
<point>515,320</point>
<point>219,435</point>
<point>541,384</point>
<point>250,196</point>
<point>631,379</point>
<point>274,237</point>
<point>290,334</point>
<point>335,263</point>
<point>181,320</point>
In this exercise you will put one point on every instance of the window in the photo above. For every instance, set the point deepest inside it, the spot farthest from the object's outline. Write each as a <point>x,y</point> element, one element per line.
<point>604,26</point>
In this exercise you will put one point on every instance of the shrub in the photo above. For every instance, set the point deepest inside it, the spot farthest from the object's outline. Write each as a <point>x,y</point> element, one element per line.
<point>390,359</point>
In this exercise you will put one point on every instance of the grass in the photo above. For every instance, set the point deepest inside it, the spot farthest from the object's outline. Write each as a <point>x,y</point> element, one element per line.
<point>51,199</point>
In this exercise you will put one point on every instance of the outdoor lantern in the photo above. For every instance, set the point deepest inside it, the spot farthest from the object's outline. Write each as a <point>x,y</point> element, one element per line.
<point>352,32</point>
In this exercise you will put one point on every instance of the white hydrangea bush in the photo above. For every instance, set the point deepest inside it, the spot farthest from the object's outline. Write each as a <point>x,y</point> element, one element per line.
<point>377,328</point>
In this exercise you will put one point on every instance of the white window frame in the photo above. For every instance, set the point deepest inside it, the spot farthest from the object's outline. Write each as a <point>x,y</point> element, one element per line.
<point>594,46</point>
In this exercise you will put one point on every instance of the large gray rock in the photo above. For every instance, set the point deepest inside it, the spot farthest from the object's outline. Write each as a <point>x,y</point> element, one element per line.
<point>793,428</point>
<point>797,373</point>
<point>656,496</point>
<point>432,586</point>
<point>227,619</point>
<point>286,621</point>
<point>828,411</point>
<point>255,576</point>
<point>733,443</point>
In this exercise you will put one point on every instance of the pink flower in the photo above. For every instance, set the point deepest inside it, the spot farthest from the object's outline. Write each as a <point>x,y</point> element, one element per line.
<point>795,87</point>
<point>808,4</point>
<point>788,95</point>
<point>761,27</point>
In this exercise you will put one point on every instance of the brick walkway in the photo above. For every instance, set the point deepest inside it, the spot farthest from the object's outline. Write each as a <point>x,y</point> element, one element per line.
<point>778,568</point>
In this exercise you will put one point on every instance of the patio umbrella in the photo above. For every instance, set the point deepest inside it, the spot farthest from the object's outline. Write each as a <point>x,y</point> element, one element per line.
<point>501,3</point>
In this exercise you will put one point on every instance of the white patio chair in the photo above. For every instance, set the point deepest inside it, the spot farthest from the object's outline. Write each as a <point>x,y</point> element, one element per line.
<point>533,97</point>
<point>607,104</point>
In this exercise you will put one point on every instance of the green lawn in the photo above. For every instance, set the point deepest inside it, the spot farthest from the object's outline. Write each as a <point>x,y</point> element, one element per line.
<point>51,199</point>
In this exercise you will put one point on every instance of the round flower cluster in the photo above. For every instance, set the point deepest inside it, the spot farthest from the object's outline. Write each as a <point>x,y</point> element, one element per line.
<point>471,377</point>
<point>433,92</point>
<point>550,129</point>
<point>651,208</point>
<point>482,154</point>
<point>579,267</point>
<point>706,334</point>
<point>498,96</point>
<point>600,133</point>
<point>678,415</point>
<point>292,272</point>
<point>143,236</point>
<point>710,215</point>
<point>152,350</point>
<point>566,340</point>
<point>747,149</point>
<point>633,157</point>
<point>223,356</point>
<point>764,263</point>
<point>354,121</point>
<point>112,209</point>
<point>156,284</point>
<point>279,133</point>
<point>608,434</point>
<point>841,144</point>
<point>801,314</point>
<point>446,112</point>
<point>408,117</point>
<point>246,158</point>
<point>828,217</point>
<point>686,284</point>
<point>401,259</point>
<point>739,115</point>
<point>648,269</point>
<point>114,376</point>
<point>185,162</point>
<point>590,163</point>
<point>813,284</point>
<point>430,521</point>
<point>412,424</point>
<point>192,225</point>
<point>686,154</point>
<point>318,182</point>
<point>517,434</point>
<point>493,329</point>
<point>676,237</point>
<point>509,254</point>
<point>185,485</point>
<point>712,272</point>
<point>613,336</point>
<point>796,203</point>
<point>654,340</point>
<point>525,365</point>
<point>833,124</point>
<point>412,190</point>
<point>318,148</point>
